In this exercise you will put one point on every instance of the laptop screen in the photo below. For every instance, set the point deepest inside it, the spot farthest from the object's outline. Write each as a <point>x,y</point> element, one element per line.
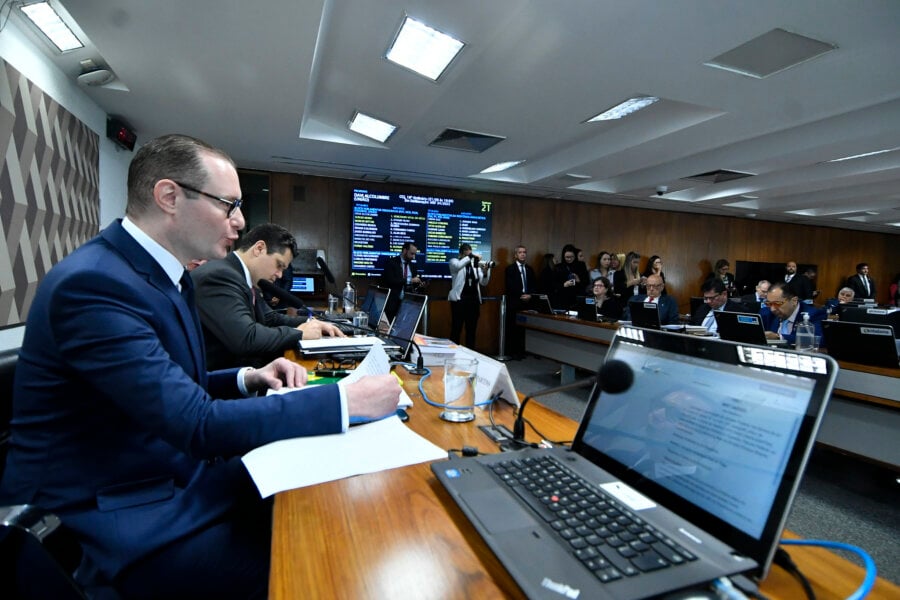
<point>715,431</point>
<point>407,319</point>
<point>644,314</point>
<point>378,298</point>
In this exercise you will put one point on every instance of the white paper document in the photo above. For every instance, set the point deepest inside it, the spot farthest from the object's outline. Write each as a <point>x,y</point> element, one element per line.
<point>299,462</point>
<point>339,342</point>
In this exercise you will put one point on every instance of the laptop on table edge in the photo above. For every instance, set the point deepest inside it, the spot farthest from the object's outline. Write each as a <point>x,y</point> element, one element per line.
<point>744,327</point>
<point>862,343</point>
<point>722,496</point>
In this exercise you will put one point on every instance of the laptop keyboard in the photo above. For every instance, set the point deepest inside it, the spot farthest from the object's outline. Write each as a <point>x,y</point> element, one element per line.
<point>610,540</point>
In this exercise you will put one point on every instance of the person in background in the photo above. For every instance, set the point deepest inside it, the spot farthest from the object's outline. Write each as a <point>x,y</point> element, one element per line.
<point>759,294</point>
<point>654,267</point>
<point>668,306</point>
<point>568,279</point>
<point>547,277</point>
<point>400,275</point>
<point>285,283</point>
<point>787,312</point>
<point>239,327</point>
<point>894,292</point>
<point>861,284</point>
<point>601,270</point>
<point>801,285</point>
<point>117,426</point>
<point>628,280</point>
<point>467,275</point>
<point>601,304</point>
<point>715,298</point>
<point>721,272</point>
<point>520,283</point>
<point>844,296</point>
<point>615,263</point>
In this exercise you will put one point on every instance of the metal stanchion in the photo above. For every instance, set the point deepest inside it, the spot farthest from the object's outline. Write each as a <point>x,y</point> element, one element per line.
<point>503,356</point>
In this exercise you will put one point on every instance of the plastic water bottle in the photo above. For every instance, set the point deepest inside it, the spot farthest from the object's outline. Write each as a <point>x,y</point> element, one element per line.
<point>349,295</point>
<point>806,335</point>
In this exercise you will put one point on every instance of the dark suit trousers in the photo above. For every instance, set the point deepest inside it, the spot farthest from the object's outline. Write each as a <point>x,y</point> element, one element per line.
<point>227,559</point>
<point>464,312</point>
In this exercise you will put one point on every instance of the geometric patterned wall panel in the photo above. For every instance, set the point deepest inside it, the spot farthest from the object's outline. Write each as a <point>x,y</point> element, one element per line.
<point>49,189</point>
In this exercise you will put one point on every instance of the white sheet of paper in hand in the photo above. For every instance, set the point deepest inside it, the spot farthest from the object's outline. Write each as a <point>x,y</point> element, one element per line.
<point>299,462</point>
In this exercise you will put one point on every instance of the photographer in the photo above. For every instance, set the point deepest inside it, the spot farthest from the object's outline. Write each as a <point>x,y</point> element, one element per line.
<point>467,273</point>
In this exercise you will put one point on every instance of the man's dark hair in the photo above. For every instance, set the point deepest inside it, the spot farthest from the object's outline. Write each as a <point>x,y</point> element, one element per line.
<point>407,246</point>
<point>860,266</point>
<point>277,239</point>
<point>463,247</point>
<point>722,262</point>
<point>176,157</point>
<point>786,290</point>
<point>712,285</point>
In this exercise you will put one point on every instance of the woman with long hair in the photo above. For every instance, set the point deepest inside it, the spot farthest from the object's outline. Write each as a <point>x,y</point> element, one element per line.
<point>628,279</point>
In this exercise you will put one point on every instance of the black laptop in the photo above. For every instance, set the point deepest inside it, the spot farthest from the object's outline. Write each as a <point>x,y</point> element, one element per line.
<point>541,303</point>
<point>374,303</point>
<point>873,315</point>
<point>862,343</point>
<point>644,314</point>
<point>686,476</point>
<point>743,327</point>
<point>406,322</point>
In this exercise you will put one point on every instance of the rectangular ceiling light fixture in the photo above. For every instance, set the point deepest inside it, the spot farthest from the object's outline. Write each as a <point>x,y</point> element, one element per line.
<point>51,25</point>
<point>502,166</point>
<point>625,108</point>
<point>371,127</point>
<point>422,49</point>
<point>864,155</point>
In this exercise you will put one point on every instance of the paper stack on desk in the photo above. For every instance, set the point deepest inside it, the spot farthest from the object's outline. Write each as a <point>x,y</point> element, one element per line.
<point>434,350</point>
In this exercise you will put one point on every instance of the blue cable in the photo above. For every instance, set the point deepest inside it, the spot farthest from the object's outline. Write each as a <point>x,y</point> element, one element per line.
<point>871,570</point>
<point>437,404</point>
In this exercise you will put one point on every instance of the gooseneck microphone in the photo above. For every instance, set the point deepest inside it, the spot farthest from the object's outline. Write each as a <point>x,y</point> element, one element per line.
<point>614,377</point>
<point>420,361</point>
<point>324,267</point>
<point>283,295</point>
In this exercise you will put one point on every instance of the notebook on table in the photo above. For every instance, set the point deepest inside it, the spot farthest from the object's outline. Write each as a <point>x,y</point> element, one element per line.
<point>862,343</point>
<point>686,476</point>
<point>743,327</point>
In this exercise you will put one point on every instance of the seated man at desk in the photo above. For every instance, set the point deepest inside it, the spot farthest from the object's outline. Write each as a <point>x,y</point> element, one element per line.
<point>668,306</point>
<point>239,327</point>
<point>786,311</point>
<point>117,426</point>
<point>715,298</point>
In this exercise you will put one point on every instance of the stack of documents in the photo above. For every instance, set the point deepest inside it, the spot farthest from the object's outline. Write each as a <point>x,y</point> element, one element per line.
<point>434,350</point>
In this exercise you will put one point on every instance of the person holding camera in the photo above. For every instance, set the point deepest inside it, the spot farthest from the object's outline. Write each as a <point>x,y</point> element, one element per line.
<point>467,274</point>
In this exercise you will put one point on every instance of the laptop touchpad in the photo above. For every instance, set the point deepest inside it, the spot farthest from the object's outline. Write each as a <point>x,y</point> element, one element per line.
<point>495,511</point>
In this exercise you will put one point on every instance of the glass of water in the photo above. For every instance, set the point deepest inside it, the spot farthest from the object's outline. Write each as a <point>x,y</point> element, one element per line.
<point>459,389</point>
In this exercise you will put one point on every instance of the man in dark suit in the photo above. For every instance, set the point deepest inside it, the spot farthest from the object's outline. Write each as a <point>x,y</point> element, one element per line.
<point>861,284</point>
<point>239,327</point>
<point>715,298</point>
<point>801,285</point>
<point>668,306</point>
<point>117,426</point>
<point>758,296</point>
<point>521,282</point>
<point>400,275</point>
<point>785,312</point>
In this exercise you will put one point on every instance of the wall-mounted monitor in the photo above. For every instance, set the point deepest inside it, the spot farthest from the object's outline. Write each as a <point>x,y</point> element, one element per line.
<point>383,221</point>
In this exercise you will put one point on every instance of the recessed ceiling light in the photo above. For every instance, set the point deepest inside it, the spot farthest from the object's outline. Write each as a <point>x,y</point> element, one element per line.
<point>625,108</point>
<point>502,166</point>
<point>749,197</point>
<point>872,212</point>
<point>51,25</point>
<point>371,127</point>
<point>423,49</point>
<point>855,156</point>
<point>578,176</point>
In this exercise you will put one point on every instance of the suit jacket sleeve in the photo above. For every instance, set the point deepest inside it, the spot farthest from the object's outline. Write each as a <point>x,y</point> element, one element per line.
<point>393,273</point>
<point>227,313</point>
<point>668,310</point>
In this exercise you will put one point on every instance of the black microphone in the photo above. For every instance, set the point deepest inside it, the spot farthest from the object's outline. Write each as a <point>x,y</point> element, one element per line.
<point>614,377</point>
<point>420,361</point>
<point>322,265</point>
<point>283,295</point>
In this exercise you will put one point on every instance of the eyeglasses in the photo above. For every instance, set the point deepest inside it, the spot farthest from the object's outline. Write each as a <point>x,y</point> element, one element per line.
<point>711,298</point>
<point>233,205</point>
<point>654,285</point>
<point>775,303</point>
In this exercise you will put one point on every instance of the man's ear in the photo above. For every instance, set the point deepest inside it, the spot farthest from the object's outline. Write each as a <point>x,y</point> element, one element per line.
<point>259,248</point>
<point>165,193</point>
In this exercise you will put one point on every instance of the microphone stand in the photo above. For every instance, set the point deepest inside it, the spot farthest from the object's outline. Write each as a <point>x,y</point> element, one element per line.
<point>419,369</point>
<point>519,424</point>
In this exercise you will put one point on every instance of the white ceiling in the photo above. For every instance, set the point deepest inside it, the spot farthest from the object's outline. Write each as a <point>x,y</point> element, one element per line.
<point>274,82</point>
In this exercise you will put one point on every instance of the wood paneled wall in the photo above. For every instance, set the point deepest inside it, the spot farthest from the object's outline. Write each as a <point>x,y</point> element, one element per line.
<point>318,214</point>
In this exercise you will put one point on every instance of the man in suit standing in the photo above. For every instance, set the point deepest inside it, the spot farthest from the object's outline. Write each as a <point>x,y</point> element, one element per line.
<point>521,282</point>
<point>668,306</point>
<point>801,285</point>
<point>715,298</point>
<point>118,428</point>
<point>786,312</point>
<point>239,327</point>
<point>861,284</point>
<point>400,275</point>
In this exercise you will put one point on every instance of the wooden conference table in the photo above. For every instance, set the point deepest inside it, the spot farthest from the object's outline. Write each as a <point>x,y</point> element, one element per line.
<point>397,534</point>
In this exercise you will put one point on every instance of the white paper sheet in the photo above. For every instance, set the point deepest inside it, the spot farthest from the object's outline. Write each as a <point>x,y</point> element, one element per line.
<point>338,342</point>
<point>299,462</point>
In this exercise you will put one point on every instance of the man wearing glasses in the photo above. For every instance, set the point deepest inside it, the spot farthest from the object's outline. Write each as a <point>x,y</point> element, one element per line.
<point>239,328</point>
<point>715,298</point>
<point>668,306</point>
<point>783,311</point>
<point>117,426</point>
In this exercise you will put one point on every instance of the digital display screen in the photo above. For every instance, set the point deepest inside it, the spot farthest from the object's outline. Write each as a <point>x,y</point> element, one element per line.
<point>383,222</point>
